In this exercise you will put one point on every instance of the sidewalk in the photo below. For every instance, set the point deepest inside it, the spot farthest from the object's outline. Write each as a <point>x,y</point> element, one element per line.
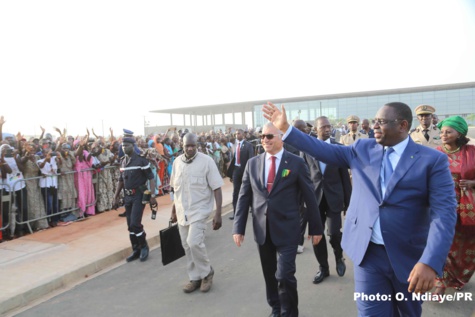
<point>37,264</point>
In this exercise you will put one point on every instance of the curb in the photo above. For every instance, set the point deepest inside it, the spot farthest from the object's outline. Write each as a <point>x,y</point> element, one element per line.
<point>79,274</point>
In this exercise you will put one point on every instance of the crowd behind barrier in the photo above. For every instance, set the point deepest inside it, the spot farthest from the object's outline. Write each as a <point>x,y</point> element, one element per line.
<point>48,181</point>
<point>84,171</point>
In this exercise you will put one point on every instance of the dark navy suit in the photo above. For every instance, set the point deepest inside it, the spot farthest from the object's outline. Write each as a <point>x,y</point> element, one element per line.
<point>333,191</point>
<point>417,213</point>
<point>276,223</point>
<point>236,172</point>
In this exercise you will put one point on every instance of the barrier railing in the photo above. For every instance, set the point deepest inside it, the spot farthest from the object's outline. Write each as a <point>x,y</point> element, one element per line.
<point>47,203</point>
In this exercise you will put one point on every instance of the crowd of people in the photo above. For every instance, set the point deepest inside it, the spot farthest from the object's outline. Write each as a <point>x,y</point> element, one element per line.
<point>49,181</point>
<point>58,180</point>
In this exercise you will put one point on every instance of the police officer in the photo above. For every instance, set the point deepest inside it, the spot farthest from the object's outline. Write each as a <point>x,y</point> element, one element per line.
<point>426,133</point>
<point>135,171</point>
<point>353,134</point>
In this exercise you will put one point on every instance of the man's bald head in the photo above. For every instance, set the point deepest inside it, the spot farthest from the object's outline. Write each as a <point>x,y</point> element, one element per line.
<point>301,125</point>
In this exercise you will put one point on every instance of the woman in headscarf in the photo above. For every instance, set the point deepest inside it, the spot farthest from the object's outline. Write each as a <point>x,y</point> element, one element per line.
<point>460,263</point>
<point>66,189</point>
<point>31,171</point>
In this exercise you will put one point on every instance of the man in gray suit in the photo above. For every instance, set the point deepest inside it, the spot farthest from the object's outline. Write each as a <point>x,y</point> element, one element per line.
<point>272,184</point>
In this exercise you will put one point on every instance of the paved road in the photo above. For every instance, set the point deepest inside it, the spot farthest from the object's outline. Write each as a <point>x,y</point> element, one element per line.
<point>151,289</point>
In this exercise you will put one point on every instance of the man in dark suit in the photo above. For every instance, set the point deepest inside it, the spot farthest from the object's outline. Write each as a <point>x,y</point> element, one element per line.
<point>244,151</point>
<point>333,190</point>
<point>400,222</point>
<point>272,185</point>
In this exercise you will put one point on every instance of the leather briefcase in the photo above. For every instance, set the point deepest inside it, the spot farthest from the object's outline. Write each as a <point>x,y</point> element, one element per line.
<point>170,243</point>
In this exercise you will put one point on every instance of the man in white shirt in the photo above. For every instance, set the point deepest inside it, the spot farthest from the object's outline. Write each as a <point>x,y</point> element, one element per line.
<point>195,180</point>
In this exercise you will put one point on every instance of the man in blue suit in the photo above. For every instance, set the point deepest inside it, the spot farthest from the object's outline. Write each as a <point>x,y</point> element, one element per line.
<point>272,184</point>
<point>400,222</point>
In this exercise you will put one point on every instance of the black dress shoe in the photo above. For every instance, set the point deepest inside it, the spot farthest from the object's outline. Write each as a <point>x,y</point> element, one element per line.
<point>122,214</point>
<point>274,314</point>
<point>340,267</point>
<point>231,218</point>
<point>320,276</point>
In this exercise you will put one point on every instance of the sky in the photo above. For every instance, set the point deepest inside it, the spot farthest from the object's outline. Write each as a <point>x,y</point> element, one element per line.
<point>105,64</point>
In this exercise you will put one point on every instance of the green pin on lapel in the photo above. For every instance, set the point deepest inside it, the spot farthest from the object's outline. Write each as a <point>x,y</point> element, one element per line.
<point>412,156</point>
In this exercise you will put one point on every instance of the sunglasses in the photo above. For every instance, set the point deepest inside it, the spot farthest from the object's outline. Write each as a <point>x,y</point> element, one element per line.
<point>268,136</point>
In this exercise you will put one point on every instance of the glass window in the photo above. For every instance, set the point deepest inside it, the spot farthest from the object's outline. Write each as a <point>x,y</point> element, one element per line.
<point>177,119</point>
<point>218,118</point>
<point>238,118</point>
<point>228,118</point>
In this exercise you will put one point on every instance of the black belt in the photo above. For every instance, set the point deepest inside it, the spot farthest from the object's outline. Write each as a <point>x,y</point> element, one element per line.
<point>376,244</point>
<point>130,192</point>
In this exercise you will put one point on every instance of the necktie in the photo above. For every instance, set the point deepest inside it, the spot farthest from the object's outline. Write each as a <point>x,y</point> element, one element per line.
<point>387,166</point>
<point>426,134</point>
<point>354,137</point>
<point>271,176</point>
<point>239,154</point>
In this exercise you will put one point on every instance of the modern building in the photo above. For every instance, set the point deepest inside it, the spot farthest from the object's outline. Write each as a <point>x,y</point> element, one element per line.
<point>451,99</point>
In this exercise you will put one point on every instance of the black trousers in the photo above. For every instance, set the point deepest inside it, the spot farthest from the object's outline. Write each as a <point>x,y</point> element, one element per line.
<point>134,212</point>
<point>278,267</point>
<point>334,225</point>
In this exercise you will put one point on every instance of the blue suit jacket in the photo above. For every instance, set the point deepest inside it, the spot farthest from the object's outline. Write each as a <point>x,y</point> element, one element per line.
<point>280,207</point>
<point>417,213</point>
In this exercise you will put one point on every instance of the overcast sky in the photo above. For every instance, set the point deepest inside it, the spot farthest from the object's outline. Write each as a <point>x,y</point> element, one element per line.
<point>101,64</point>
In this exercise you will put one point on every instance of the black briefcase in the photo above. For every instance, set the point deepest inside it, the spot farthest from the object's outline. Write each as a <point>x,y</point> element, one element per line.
<point>170,242</point>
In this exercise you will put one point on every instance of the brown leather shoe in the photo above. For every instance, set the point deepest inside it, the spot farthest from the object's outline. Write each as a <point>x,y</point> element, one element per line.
<point>191,286</point>
<point>207,282</point>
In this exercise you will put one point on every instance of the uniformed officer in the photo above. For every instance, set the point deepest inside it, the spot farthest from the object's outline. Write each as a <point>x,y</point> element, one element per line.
<point>426,133</point>
<point>135,171</point>
<point>353,134</point>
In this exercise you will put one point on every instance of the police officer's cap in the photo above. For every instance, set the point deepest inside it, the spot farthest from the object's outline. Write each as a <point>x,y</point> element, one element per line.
<point>128,132</point>
<point>424,109</point>
<point>352,118</point>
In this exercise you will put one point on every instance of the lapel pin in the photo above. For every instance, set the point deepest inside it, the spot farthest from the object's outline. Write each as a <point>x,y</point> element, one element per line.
<point>285,162</point>
<point>412,156</point>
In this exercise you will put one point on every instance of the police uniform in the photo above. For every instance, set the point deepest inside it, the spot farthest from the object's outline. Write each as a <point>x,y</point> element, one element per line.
<point>135,171</point>
<point>418,134</point>
<point>351,137</point>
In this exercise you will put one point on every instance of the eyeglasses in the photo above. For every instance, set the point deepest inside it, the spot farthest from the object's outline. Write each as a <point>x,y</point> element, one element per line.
<point>384,121</point>
<point>268,136</point>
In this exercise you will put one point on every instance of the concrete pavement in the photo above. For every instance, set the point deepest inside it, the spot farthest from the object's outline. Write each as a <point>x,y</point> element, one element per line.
<point>37,264</point>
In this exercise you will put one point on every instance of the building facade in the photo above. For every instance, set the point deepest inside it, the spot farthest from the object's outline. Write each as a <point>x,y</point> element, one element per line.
<point>448,100</point>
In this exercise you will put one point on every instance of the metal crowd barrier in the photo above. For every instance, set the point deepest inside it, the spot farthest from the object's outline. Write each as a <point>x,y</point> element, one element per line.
<point>14,214</point>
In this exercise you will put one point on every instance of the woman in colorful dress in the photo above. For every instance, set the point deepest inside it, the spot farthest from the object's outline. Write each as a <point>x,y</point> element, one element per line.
<point>83,179</point>
<point>460,263</point>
